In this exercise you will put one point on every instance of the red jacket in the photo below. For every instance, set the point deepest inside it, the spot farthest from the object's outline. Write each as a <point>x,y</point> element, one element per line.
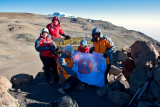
<point>43,45</point>
<point>54,31</point>
<point>83,50</point>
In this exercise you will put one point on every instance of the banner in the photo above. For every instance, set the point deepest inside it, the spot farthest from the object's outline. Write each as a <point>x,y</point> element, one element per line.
<point>90,68</point>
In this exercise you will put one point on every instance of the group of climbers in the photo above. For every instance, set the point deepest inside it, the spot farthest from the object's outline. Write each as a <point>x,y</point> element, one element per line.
<point>62,68</point>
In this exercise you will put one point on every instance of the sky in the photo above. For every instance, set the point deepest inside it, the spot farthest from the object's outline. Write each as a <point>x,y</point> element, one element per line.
<point>139,15</point>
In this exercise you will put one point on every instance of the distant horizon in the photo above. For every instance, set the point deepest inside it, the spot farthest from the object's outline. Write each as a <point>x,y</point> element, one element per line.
<point>135,15</point>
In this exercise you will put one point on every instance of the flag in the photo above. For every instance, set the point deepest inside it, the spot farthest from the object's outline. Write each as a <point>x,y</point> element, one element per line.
<point>90,68</point>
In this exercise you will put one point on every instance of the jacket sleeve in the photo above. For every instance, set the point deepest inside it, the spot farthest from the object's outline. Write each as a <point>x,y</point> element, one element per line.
<point>61,31</point>
<point>38,47</point>
<point>65,67</point>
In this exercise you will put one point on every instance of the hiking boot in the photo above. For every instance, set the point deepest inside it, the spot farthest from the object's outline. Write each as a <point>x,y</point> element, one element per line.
<point>79,87</point>
<point>61,90</point>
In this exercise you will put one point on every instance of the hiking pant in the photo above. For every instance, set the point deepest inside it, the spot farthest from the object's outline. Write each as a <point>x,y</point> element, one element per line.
<point>72,81</point>
<point>50,68</point>
<point>106,72</point>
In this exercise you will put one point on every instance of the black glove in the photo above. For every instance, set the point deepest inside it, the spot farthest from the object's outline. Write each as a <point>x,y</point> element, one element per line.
<point>57,49</point>
<point>67,37</point>
<point>105,56</point>
<point>91,49</point>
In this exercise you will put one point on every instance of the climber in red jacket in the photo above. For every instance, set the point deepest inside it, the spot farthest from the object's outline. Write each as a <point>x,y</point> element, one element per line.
<point>55,28</point>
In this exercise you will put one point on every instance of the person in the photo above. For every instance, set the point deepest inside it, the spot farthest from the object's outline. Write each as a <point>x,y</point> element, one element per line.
<point>65,64</point>
<point>46,48</point>
<point>55,28</point>
<point>102,45</point>
<point>84,48</point>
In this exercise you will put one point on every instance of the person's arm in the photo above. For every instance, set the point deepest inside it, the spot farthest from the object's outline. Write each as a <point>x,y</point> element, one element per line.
<point>65,67</point>
<point>38,46</point>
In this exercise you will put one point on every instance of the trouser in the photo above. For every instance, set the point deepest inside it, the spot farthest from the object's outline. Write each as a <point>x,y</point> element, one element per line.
<point>50,68</point>
<point>72,81</point>
<point>106,72</point>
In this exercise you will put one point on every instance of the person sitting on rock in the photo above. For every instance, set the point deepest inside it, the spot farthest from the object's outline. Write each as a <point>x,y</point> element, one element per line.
<point>103,45</point>
<point>65,64</point>
<point>46,47</point>
<point>55,28</point>
<point>84,48</point>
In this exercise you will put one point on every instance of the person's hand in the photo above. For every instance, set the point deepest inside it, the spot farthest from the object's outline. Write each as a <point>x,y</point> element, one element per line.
<point>105,55</point>
<point>53,51</point>
<point>91,50</point>
<point>67,37</point>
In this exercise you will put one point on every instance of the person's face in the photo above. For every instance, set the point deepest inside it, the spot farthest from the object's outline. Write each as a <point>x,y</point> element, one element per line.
<point>45,34</point>
<point>96,35</point>
<point>82,46</point>
<point>68,54</point>
<point>55,22</point>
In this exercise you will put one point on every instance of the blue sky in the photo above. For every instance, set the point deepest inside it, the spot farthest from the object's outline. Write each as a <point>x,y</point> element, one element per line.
<point>140,15</point>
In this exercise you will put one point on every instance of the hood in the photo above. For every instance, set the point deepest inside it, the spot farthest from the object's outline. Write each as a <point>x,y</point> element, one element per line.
<point>68,48</point>
<point>56,18</point>
<point>83,42</point>
<point>96,30</point>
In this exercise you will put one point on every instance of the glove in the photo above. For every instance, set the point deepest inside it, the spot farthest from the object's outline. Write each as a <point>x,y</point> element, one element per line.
<point>57,49</point>
<point>105,55</point>
<point>67,37</point>
<point>91,49</point>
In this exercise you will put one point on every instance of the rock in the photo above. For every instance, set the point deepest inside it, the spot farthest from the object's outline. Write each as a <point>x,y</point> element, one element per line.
<point>126,49</point>
<point>111,78</point>
<point>40,76</point>
<point>144,54</point>
<point>103,91</point>
<point>157,103</point>
<point>155,89</point>
<point>157,76</point>
<point>114,70</point>
<point>5,84</point>
<point>118,97</point>
<point>21,79</point>
<point>137,78</point>
<point>122,56</point>
<point>128,68</point>
<point>6,100</point>
<point>144,104</point>
<point>116,85</point>
<point>18,90</point>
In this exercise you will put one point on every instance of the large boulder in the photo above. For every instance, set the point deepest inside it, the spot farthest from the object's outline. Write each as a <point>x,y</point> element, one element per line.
<point>104,90</point>
<point>118,97</point>
<point>122,56</point>
<point>114,70</point>
<point>128,68</point>
<point>6,100</point>
<point>21,79</point>
<point>157,76</point>
<point>144,54</point>
<point>5,84</point>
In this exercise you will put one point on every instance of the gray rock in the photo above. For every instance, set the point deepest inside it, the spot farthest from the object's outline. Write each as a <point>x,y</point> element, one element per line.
<point>116,85</point>
<point>122,56</point>
<point>103,91</point>
<point>157,76</point>
<point>144,104</point>
<point>119,97</point>
<point>114,70</point>
<point>21,79</point>
<point>40,77</point>
<point>5,84</point>
<point>155,89</point>
<point>6,100</point>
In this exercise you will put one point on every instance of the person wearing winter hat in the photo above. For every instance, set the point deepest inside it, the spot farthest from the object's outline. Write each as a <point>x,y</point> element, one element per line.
<point>84,48</point>
<point>55,28</point>
<point>103,45</point>
<point>65,65</point>
<point>46,48</point>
